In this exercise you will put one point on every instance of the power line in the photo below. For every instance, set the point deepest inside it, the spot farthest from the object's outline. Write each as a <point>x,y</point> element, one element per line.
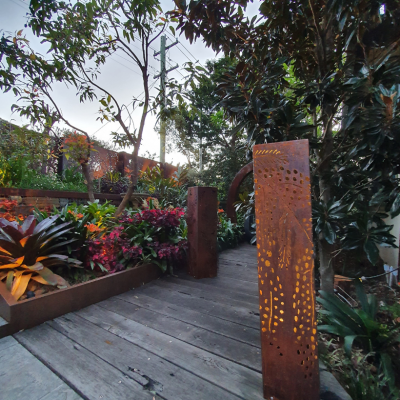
<point>19,5</point>
<point>134,108</point>
<point>179,72</point>
<point>137,99</point>
<point>133,63</point>
<point>25,5</point>
<point>180,43</point>
<point>125,66</point>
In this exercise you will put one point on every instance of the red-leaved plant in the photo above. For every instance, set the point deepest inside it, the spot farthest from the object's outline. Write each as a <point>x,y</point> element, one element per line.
<point>157,236</point>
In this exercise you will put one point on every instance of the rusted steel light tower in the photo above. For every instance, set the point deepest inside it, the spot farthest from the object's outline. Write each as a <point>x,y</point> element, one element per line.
<point>285,271</point>
<point>202,221</point>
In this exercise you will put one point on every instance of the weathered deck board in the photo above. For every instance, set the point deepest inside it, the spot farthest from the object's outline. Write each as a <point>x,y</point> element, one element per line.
<point>174,339</point>
<point>226,328</point>
<point>25,377</point>
<point>228,348</point>
<point>216,296</point>
<point>234,378</point>
<point>245,316</point>
<point>148,369</point>
<point>249,288</point>
<point>80,368</point>
<point>211,291</point>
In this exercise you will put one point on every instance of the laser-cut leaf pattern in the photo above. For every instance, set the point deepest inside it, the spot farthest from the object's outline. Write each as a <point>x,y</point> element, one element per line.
<point>285,258</point>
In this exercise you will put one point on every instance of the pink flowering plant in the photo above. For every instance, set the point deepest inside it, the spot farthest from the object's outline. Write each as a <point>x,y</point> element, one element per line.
<point>112,252</point>
<point>161,234</point>
<point>150,235</point>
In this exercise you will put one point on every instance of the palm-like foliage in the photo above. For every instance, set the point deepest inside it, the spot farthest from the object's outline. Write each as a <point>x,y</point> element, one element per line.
<point>28,251</point>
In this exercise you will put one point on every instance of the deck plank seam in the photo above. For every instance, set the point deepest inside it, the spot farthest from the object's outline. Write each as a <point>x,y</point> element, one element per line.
<point>184,321</point>
<point>175,364</point>
<point>53,370</point>
<point>208,313</point>
<point>191,343</point>
<point>97,355</point>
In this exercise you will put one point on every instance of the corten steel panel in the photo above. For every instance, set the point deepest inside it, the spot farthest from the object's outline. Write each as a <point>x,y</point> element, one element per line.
<point>56,194</point>
<point>285,271</point>
<point>202,221</point>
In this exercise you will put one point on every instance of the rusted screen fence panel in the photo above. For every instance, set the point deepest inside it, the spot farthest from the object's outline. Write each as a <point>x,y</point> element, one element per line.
<point>285,271</point>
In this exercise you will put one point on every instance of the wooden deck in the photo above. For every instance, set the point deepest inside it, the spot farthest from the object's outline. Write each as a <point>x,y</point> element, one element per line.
<point>175,339</point>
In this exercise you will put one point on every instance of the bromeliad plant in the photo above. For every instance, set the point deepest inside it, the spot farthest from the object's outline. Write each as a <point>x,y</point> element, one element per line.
<point>28,251</point>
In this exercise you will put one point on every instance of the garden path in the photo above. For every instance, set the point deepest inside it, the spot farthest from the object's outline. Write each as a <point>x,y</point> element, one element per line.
<point>176,338</point>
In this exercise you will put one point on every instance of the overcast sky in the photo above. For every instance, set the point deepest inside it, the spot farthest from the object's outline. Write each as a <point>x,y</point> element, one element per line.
<point>120,75</point>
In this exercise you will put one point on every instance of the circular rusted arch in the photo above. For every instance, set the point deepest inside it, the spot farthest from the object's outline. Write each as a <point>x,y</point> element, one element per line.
<point>234,189</point>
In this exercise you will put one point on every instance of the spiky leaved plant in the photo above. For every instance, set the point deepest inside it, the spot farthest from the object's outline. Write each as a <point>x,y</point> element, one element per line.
<point>27,252</point>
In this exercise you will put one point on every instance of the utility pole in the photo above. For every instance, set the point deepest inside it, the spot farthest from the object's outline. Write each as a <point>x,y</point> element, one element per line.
<point>163,74</point>
<point>201,143</point>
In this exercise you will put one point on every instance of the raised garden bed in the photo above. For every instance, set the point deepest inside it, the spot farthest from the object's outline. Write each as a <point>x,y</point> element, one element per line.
<point>28,313</point>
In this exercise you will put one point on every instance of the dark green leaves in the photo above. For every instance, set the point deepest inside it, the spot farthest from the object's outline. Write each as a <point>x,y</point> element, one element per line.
<point>357,325</point>
<point>329,219</point>
<point>371,250</point>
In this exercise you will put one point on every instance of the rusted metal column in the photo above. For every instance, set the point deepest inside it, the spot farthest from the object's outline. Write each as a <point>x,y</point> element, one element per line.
<point>202,220</point>
<point>285,271</point>
<point>122,162</point>
<point>234,189</point>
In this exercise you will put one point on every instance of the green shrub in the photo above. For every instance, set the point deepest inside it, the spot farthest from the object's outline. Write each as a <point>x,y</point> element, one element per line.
<point>228,233</point>
<point>169,191</point>
<point>36,180</point>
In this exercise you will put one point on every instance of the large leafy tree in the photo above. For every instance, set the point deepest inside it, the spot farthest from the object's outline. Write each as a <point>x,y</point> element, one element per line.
<point>81,36</point>
<point>199,118</point>
<point>326,70</point>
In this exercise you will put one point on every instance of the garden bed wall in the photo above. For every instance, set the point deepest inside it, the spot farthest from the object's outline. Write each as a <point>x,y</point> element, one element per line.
<point>29,198</point>
<point>28,313</point>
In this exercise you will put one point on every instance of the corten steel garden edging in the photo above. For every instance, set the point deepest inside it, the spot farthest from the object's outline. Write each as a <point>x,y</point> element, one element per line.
<point>56,194</point>
<point>31,312</point>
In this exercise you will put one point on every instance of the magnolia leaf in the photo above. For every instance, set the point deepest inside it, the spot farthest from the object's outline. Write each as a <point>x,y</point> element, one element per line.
<point>329,233</point>
<point>372,251</point>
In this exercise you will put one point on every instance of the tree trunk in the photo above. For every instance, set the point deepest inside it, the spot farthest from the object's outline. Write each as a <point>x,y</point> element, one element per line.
<point>135,154</point>
<point>325,265</point>
<point>324,160</point>
<point>131,187</point>
<point>325,249</point>
<point>89,182</point>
